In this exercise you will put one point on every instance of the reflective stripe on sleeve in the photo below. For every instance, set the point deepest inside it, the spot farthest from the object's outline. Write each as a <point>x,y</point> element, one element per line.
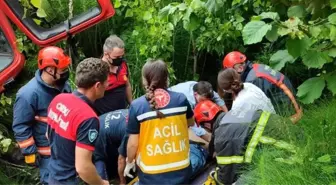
<point>230,159</point>
<point>258,131</point>
<point>278,143</point>
<point>28,142</point>
<point>44,150</point>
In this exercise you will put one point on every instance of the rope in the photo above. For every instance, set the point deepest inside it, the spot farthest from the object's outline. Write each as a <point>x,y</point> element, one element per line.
<point>70,9</point>
<point>70,36</point>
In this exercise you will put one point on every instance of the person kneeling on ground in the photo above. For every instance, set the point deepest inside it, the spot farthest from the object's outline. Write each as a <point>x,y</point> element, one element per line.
<point>111,146</point>
<point>237,135</point>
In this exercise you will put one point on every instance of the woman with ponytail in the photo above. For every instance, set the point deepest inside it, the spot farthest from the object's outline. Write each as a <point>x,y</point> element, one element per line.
<point>158,130</point>
<point>246,96</point>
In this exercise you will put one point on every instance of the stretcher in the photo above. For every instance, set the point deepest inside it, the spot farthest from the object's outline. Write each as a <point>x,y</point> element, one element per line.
<point>200,178</point>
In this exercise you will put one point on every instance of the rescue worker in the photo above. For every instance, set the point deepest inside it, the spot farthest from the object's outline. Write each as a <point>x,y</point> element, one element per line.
<point>274,84</point>
<point>32,100</point>
<point>237,134</point>
<point>119,89</point>
<point>73,126</point>
<point>246,96</point>
<point>158,130</point>
<point>195,92</point>
<point>111,147</point>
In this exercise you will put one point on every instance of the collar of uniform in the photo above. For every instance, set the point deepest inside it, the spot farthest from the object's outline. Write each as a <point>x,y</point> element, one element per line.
<point>247,70</point>
<point>84,98</point>
<point>217,121</point>
<point>119,67</point>
<point>38,74</point>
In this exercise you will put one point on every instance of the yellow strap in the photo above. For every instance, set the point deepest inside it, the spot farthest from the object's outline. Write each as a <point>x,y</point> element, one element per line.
<point>134,181</point>
<point>210,181</point>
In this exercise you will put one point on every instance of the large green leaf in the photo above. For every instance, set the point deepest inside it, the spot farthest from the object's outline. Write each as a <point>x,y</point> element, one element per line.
<point>311,89</point>
<point>36,3</point>
<point>192,24</point>
<point>196,4</point>
<point>41,13</point>
<point>331,82</point>
<point>333,4</point>
<point>5,143</point>
<point>315,31</point>
<point>315,59</point>
<point>44,9</point>
<point>272,35</point>
<point>117,4</point>
<point>280,58</point>
<point>214,5</point>
<point>332,18</point>
<point>296,11</point>
<point>254,31</point>
<point>296,47</point>
<point>332,52</point>
<point>270,15</point>
<point>147,15</point>
<point>164,12</point>
<point>129,13</point>
<point>332,34</point>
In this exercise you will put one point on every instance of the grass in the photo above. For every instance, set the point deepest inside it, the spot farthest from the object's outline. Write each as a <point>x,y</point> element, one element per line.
<point>315,162</point>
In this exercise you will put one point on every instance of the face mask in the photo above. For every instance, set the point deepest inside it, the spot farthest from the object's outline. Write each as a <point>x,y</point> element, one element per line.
<point>117,61</point>
<point>63,78</point>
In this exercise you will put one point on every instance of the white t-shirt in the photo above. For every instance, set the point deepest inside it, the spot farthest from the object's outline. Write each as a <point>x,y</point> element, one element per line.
<point>252,98</point>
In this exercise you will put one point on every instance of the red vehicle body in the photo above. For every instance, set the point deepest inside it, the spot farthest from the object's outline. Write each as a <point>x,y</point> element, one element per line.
<point>11,60</point>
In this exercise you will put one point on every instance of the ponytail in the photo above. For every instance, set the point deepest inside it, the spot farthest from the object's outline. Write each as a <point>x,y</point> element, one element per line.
<point>150,96</point>
<point>154,76</point>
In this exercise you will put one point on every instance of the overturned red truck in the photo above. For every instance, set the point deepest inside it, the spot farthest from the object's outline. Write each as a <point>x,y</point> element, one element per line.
<point>11,60</point>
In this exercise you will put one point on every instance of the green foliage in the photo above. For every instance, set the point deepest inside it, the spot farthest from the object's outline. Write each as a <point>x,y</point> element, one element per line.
<point>311,89</point>
<point>315,160</point>
<point>5,142</point>
<point>254,31</point>
<point>280,58</point>
<point>310,37</point>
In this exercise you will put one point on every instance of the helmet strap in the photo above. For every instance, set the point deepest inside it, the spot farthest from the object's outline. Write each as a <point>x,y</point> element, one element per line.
<point>53,75</point>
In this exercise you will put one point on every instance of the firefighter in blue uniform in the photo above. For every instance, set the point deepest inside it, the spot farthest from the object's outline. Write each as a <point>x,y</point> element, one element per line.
<point>158,130</point>
<point>274,84</point>
<point>31,104</point>
<point>111,145</point>
<point>73,127</point>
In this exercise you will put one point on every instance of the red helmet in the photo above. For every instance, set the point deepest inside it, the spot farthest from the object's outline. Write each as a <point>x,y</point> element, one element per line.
<point>54,57</point>
<point>233,58</point>
<point>206,111</point>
